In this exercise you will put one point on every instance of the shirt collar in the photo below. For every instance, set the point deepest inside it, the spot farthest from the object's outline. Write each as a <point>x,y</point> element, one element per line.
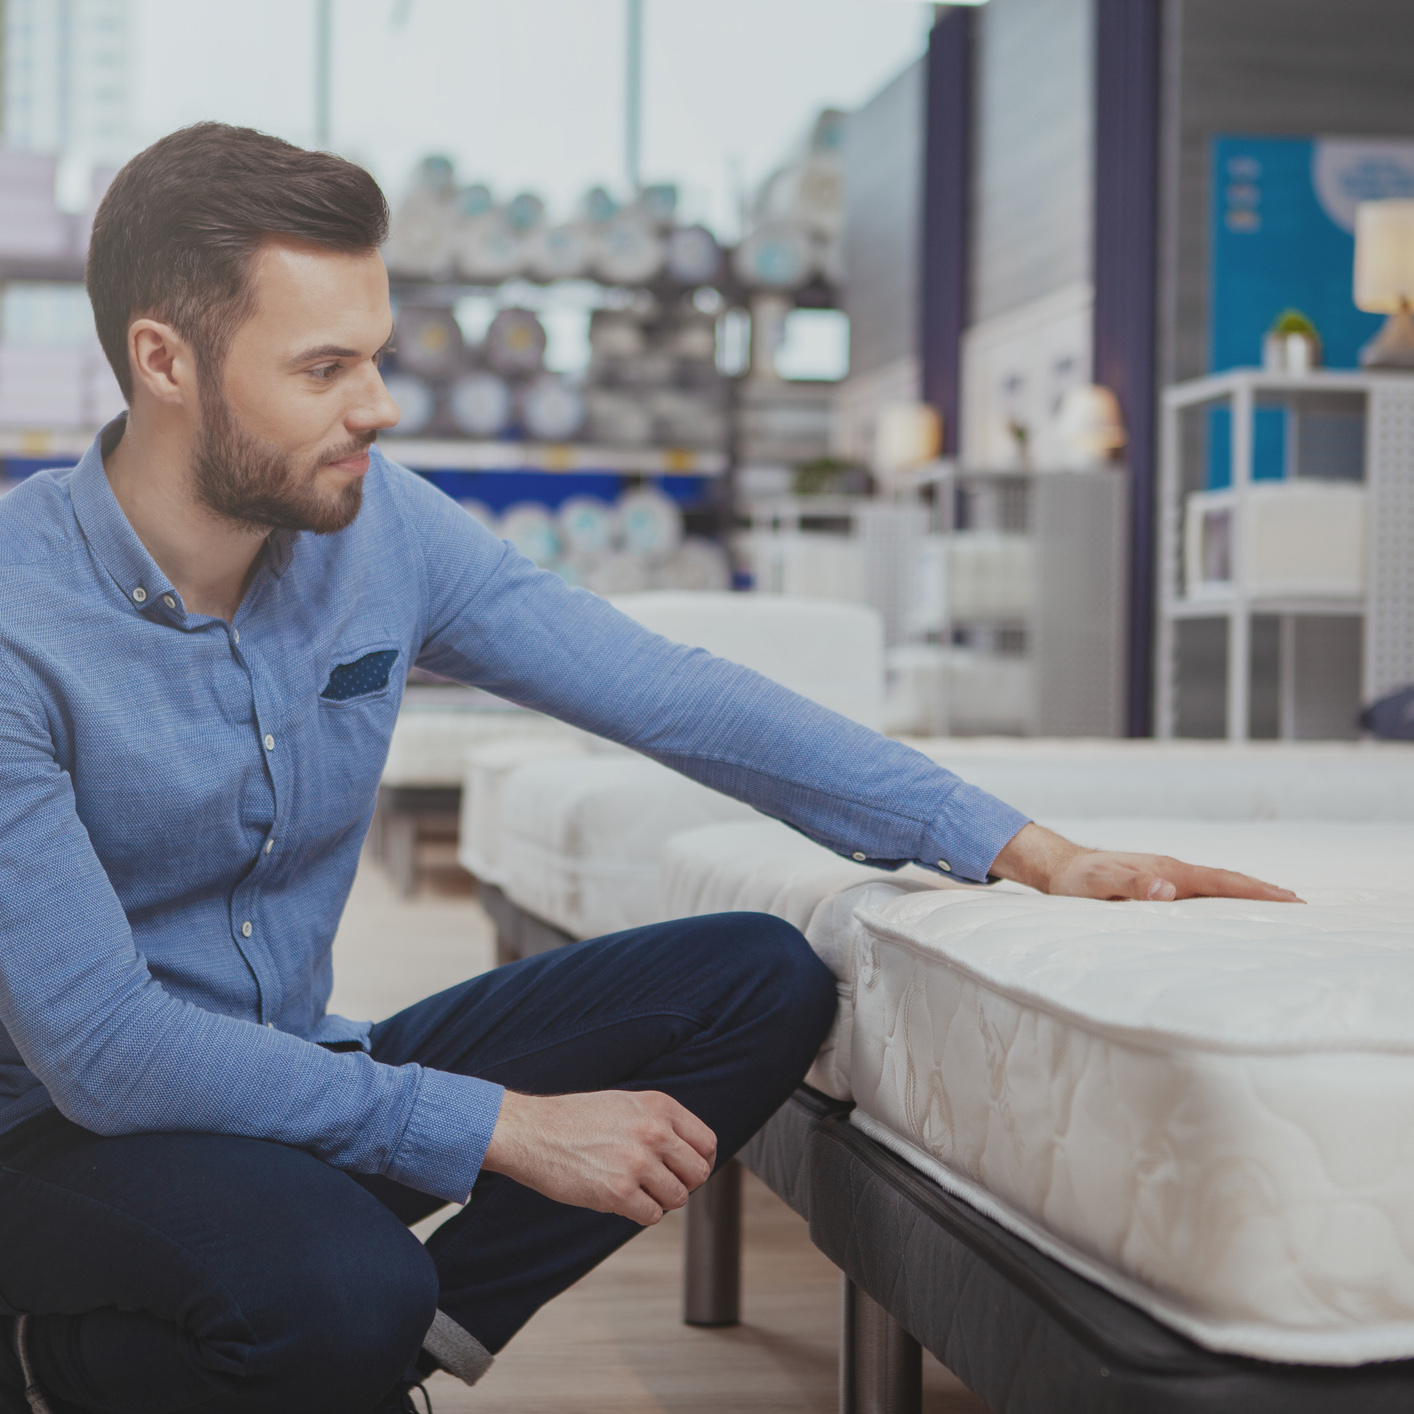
<point>106,528</point>
<point>116,543</point>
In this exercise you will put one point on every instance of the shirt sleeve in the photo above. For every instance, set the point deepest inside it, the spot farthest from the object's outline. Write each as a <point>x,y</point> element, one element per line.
<point>496,621</point>
<point>118,1054</point>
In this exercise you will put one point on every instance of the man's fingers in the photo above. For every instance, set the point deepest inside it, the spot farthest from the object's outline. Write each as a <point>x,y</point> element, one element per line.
<point>1199,882</point>
<point>694,1132</point>
<point>640,1208</point>
<point>685,1163</point>
<point>1158,879</point>
<point>665,1188</point>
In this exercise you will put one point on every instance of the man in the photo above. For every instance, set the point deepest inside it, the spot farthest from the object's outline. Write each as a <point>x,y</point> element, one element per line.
<point>205,1180</point>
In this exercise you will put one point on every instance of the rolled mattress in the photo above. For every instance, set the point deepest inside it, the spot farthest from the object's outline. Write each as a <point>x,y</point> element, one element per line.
<point>1206,1107</point>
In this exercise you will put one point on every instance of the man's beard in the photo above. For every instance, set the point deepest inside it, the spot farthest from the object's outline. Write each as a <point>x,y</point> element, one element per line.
<point>259,487</point>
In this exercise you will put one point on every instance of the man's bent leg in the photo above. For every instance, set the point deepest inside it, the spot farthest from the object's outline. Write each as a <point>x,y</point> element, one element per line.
<point>201,1273</point>
<point>725,1013</point>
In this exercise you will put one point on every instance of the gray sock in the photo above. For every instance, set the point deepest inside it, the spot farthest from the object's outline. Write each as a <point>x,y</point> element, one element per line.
<point>37,1403</point>
<point>453,1347</point>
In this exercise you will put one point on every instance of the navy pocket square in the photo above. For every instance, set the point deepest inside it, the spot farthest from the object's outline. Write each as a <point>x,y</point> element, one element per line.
<point>362,676</point>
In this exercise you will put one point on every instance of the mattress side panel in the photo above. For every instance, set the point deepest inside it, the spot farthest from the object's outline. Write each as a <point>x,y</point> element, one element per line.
<point>1275,1189</point>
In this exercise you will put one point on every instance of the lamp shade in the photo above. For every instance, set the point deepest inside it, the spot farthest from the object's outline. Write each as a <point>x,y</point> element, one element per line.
<point>907,435</point>
<point>1384,255</point>
<point>1089,426</point>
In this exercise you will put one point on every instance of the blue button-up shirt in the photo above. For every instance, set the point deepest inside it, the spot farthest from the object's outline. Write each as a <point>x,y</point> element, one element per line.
<point>183,804</point>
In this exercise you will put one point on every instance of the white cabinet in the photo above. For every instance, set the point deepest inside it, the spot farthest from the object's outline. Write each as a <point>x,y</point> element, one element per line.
<point>1286,589</point>
<point>1003,599</point>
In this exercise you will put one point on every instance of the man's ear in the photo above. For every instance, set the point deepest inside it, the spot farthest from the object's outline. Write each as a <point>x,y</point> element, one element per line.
<point>162,363</point>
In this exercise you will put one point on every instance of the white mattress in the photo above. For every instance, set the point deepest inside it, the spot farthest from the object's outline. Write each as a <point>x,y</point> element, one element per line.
<point>832,653</point>
<point>1187,780</point>
<point>428,745</point>
<point>580,837</point>
<point>1207,1107</point>
<point>485,770</point>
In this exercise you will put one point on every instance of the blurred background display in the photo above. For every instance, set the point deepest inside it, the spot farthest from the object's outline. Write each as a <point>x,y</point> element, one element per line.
<point>872,301</point>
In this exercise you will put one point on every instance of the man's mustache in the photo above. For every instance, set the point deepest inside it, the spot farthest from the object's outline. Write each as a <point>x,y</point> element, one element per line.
<point>350,449</point>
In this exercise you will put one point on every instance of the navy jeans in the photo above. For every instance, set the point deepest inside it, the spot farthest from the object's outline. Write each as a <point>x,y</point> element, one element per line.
<point>200,1272</point>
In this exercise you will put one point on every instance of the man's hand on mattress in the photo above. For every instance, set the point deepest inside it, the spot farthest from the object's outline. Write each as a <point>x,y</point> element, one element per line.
<point>1044,860</point>
<point>635,1153</point>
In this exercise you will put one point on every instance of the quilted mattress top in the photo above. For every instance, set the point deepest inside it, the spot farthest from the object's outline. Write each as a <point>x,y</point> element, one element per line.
<point>1334,973</point>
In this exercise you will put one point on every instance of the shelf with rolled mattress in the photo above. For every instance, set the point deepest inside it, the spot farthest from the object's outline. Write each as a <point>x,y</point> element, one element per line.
<point>458,454</point>
<point>61,443</point>
<point>438,454</point>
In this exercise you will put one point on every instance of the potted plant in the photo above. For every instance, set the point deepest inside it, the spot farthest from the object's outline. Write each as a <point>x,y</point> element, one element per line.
<point>1292,344</point>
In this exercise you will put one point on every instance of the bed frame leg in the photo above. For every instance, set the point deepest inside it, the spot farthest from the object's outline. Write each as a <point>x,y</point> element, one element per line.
<point>398,839</point>
<point>712,1266</point>
<point>881,1365</point>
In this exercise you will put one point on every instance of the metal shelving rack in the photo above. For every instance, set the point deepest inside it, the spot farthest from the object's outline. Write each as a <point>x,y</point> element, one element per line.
<point>455,454</point>
<point>1386,603</point>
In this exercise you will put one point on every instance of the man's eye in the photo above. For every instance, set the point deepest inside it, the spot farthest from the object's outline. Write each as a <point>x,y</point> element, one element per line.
<point>325,371</point>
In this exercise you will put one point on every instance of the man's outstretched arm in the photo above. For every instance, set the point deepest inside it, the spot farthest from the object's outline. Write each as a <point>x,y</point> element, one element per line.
<point>493,619</point>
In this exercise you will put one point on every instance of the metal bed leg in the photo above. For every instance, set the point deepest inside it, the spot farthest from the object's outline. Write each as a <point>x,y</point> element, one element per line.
<point>712,1267</point>
<point>399,843</point>
<point>881,1365</point>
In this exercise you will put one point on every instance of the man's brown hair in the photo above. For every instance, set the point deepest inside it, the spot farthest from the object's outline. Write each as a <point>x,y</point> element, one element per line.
<point>175,234</point>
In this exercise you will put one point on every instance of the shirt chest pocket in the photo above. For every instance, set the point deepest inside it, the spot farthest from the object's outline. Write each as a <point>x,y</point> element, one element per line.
<point>353,719</point>
<point>360,677</point>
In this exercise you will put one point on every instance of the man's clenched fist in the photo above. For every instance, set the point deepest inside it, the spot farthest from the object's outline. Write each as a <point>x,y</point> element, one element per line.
<point>636,1153</point>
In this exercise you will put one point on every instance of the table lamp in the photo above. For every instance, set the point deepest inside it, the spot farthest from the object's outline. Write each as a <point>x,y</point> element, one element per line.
<point>906,436</point>
<point>1384,279</point>
<point>1088,428</point>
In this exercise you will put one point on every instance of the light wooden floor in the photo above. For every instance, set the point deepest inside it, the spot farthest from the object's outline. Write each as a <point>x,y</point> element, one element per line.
<point>616,1342</point>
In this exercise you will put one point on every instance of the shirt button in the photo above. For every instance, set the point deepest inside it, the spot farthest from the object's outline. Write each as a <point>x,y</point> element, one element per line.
<point>170,602</point>
<point>236,634</point>
<point>140,594</point>
<point>945,866</point>
<point>860,855</point>
<point>269,742</point>
<point>270,844</point>
<point>269,1025</point>
<point>246,929</point>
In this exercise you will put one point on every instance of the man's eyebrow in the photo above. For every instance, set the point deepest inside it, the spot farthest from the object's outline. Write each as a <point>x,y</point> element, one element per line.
<point>336,351</point>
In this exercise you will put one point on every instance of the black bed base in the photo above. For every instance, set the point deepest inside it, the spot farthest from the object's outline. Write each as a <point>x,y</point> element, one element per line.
<point>923,1269</point>
<point>1024,1333</point>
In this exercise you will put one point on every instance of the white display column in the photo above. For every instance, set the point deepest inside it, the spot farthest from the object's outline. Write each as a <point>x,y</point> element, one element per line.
<point>1389,618</point>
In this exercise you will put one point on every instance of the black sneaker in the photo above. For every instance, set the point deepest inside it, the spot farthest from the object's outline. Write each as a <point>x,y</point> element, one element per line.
<point>19,1394</point>
<point>401,1401</point>
<point>12,1379</point>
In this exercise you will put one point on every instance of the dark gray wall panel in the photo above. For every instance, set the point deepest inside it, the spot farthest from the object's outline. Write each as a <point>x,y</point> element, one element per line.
<point>884,219</point>
<point>946,227</point>
<point>1266,66</point>
<point>1033,159</point>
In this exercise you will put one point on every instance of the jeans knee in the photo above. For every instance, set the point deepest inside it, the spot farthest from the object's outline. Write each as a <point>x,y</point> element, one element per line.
<point>343,1335</point>
<point>791,977</point>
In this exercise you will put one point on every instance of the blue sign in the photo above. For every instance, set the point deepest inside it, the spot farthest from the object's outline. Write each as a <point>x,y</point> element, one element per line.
<point>1283,219</point>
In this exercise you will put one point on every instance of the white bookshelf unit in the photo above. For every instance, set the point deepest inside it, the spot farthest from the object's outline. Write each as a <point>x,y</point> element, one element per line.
<point>1286,589</point>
